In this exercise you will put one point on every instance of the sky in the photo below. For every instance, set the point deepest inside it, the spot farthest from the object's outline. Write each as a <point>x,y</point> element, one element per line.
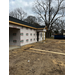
<point>26,5</point>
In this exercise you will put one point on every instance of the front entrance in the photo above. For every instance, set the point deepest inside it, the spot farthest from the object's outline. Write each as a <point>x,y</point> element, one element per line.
<point>37,36</point>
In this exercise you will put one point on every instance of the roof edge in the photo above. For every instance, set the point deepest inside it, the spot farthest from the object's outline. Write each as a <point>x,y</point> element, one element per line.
<point>24,25</point>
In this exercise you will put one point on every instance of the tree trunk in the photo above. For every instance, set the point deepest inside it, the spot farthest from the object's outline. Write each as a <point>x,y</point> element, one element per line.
<point>48,33</point>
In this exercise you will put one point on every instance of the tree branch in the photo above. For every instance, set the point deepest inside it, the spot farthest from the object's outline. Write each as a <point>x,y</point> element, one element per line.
<point>40,5</point>
<point>57,9</point>
<point>43,9</point>
<point>50,10</point>
<point>39,13</point>
<point>56,19</point>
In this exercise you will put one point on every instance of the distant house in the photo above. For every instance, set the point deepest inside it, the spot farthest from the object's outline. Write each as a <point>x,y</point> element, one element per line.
<point>22,33</point>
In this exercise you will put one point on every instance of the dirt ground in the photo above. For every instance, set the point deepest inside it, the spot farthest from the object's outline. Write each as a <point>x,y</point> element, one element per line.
<point>24,61</point>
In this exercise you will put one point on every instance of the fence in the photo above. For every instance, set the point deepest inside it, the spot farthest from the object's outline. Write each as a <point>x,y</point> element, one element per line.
<point>59,36</point>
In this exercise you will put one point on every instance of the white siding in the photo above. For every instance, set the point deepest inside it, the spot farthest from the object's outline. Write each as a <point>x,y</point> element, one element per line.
<point>14,26</point>
<point>21,39</point>
<point>40,36</point>
<point>43,35</point>
<point>24,37</point>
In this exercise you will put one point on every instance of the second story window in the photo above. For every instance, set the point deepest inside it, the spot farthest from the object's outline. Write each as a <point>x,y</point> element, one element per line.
<point>26,34</point>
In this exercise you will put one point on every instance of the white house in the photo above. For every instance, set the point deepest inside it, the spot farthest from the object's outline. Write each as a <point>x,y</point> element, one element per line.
<point>22,33</point>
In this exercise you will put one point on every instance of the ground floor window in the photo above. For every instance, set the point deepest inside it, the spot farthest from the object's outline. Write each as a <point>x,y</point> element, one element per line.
<point>14,41</point>
<point>14,34</point>
<point>26,40</point>
<point>34,39</point>
<point>22,41</point>
<point>21,34</point>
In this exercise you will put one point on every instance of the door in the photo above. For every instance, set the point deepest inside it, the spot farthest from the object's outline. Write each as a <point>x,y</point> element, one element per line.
<point>37,36</point>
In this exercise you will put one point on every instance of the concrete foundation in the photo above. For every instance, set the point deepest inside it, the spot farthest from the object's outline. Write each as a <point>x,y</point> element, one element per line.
<point>13,47</point>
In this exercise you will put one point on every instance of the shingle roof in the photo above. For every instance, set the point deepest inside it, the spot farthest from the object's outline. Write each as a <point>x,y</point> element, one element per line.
<point>22,22</point>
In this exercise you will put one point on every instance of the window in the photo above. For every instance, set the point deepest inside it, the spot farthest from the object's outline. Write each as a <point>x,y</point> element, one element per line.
<point>22,41</point>
<point>14,41</point>
<point>26,34</point>
<point>14,34</point>
<point>31,34</point>
<point>30,39</point>
<point>26,40</point>
<point>21,34</point>
<point>34,34</point>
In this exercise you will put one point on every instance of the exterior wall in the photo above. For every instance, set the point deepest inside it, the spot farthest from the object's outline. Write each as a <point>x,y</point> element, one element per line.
<point>43,35</point>
<point>24,37</point>
<point>40,36</point>
<point>14,26</point>
<point>14,39</point>
<point>14,29</point>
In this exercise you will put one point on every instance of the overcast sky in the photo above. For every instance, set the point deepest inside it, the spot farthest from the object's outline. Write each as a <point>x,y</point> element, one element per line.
<point>26,5</point>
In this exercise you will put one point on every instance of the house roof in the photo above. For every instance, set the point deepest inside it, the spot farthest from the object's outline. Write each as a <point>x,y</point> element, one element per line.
<point>22,22</point>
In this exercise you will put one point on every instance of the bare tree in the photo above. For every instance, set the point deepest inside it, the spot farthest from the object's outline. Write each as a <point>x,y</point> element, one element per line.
<point>59,26</point>
<point>32,20</point>
<point>18,13</point>
<point>49,12</point>
<point>62,26</point>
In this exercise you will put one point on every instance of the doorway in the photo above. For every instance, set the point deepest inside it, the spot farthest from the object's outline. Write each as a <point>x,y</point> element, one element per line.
<point>37,36</point>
